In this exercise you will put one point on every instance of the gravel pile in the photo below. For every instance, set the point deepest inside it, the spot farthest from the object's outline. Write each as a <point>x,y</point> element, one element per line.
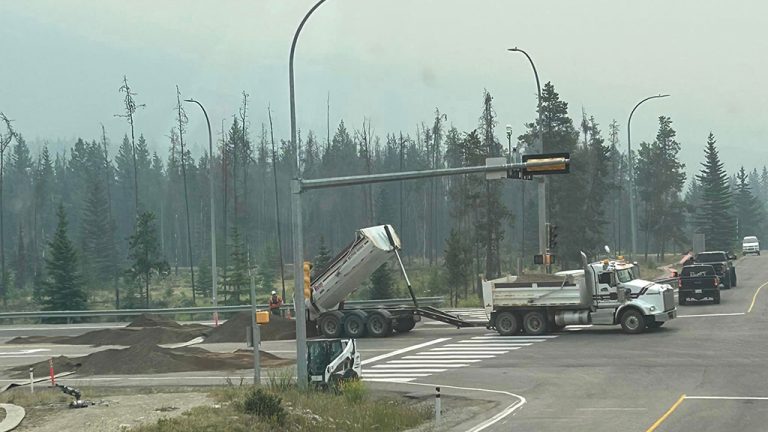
<point>234,329</point>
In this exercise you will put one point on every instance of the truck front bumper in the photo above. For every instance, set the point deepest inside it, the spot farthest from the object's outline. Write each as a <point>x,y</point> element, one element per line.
<point>665,316</point>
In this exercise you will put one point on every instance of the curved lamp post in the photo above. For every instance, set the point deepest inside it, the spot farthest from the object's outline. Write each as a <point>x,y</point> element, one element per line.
<point>632,209</point>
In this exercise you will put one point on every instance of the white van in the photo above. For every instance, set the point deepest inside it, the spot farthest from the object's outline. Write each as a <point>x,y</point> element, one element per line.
<point>750,245</point>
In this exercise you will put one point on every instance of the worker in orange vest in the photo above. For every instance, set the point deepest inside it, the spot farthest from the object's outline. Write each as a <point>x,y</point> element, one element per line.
<point>275,302</point>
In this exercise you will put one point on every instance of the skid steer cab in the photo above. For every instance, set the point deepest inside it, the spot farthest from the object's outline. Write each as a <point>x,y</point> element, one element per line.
<point>332,361</point>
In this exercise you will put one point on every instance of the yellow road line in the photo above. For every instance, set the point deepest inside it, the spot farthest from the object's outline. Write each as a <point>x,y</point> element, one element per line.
<point>754,297</point>
<point>666,414</point>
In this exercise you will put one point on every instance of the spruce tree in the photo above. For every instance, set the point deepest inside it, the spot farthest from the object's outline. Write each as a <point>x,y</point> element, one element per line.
<point>322,259</point>
<point>713,218</point>
<point>145,255</point>
<point>63,288</point>
<point>382,283</point>
<point>747,208</point>
<point>238,276</point>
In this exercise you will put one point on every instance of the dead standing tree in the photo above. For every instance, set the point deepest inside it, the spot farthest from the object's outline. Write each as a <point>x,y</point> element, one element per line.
<point>183,120</point>
<point>5,140</point>
<point>130,110</point>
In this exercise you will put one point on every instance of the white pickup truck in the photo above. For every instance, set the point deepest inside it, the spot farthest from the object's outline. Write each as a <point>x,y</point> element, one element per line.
<point>750,245</point>
<point>602,293</point>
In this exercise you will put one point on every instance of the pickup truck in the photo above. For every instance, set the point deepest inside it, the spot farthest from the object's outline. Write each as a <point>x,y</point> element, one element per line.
<point>750,245</point>
<point>722,263</point>
<point>698,282</point>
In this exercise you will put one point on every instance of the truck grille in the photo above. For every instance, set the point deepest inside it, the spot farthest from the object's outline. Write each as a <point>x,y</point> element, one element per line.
<point>669,299</point>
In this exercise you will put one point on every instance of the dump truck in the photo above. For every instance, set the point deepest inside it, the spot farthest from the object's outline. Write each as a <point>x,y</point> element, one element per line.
<point>602,293</point>
<point>370,249</point>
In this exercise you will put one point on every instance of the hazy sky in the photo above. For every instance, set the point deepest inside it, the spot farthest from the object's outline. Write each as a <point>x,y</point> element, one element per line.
<point>392,62</point>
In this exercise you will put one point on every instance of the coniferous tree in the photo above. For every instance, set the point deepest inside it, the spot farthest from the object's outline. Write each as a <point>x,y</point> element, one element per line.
<point>322,259</point>
<point>238,276</point>
<point>145,256</point>
<point>748,212</point>
<point>382,283</point>
<point>713,217</point>
<point>63,287</point>
<point>458,259</point>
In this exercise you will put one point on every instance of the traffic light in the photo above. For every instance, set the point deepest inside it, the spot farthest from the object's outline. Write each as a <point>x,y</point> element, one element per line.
<point>307,280</point>
<point>548,163</point>
<point>551,236</point>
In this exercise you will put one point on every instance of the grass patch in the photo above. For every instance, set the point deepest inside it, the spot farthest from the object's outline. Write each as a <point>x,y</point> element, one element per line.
<point>285,408</point>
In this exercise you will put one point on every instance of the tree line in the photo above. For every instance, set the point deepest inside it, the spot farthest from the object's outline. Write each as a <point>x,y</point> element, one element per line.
<point>132,215</point>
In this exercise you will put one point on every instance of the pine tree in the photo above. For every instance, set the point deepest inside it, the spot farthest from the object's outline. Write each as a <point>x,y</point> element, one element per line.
<point>322,259</point>
<point>382,283</point>
<point>713,218</point>
<point>238,276</point>
<point>98,242</point>
<point>458,259</point>
<point>145,255</point>
<point>63,289</point>
<point>748,210</point>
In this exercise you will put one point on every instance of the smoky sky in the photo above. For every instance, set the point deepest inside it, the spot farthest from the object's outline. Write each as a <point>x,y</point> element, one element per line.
<point>391,62</point>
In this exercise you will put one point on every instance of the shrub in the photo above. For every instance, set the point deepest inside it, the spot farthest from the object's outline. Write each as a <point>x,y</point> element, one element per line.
<point>354,391</point>
<point>264,404</point>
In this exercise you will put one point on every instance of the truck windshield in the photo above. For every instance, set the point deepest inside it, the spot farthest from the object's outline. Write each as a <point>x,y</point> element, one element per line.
<point>750,239</point>
<point>624,275</point>
<point>709,257</point>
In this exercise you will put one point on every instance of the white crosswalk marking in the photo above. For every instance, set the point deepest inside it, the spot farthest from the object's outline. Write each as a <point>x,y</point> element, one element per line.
<point>447,356</point>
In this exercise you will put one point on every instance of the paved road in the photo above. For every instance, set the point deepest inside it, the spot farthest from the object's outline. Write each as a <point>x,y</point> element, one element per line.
<point>704,371</point>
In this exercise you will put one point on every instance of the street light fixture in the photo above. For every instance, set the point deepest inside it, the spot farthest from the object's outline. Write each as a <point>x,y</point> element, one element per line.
<point>632,209</point>
<point>214,276</point>
<point>542,186</point>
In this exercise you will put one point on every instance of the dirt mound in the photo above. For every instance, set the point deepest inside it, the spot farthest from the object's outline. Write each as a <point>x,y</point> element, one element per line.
<point>234,330</point>
<point>148,358</point>
<point>153,320</point>
<point>120,336</point>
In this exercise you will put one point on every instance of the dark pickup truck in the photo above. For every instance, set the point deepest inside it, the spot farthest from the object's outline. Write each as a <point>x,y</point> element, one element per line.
<point>723,264</point>
<point>698,282</point>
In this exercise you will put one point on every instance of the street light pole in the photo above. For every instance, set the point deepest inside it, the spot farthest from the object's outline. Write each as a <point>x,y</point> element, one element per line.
<point>542,186</point>
<point>632,209</point>
<point>214,271</point>
<point>298,242</point>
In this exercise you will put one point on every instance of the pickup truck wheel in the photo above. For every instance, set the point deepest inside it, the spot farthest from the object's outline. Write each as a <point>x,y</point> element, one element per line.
<point>378,325</point>
<point>716,298</point>
<point>632,321</point>
<point>727,283</point>
<point>354,326</point>
<point>330,326</point>
<point>534,323</point>
<point>405,324</point>
<point>506,324</point>
<point>733,278</point>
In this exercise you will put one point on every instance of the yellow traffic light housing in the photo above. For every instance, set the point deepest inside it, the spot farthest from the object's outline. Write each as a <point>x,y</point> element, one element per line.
<point>547,163</point>
<point>307,280</point>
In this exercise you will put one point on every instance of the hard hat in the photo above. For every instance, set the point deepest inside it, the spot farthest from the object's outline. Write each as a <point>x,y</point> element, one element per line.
<point>274,292</point>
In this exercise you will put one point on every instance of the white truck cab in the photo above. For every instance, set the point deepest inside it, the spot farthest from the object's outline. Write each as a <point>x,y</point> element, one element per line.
<point>750,245</point>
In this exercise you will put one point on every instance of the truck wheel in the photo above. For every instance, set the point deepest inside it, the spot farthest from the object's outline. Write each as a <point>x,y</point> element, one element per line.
<point>716,298</point>
<point>727,283</point>
<point>534,323</point>
<point>378,325</point>
<point>681,301</point>
<point>330,326</point>
<point>632,321</point>
<point>733,278</point>
<point>506,324</point>
<point>354,326</point>
<point>405,324</point>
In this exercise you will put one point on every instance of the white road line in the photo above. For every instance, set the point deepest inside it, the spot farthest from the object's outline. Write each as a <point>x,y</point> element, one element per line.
<point>27,351</point>
<point>611,409</point>
<point>477,348</point>
<point>425,364</point>
<point>447,356</point>
<point>25,356</point>
<point>441,361</point>
<point>727,397</point>
<point>490,336</point>
<point>398,371</point>
<point>711,315</point>
<point>514,341</point>
<point>491,344</point>
<point>389,380</point>
<point>395,375</point>
<point>472,352</point>
<point>403,350</point>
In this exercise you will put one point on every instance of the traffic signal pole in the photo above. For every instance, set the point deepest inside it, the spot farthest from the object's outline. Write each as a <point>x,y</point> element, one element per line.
<point>530,167</point>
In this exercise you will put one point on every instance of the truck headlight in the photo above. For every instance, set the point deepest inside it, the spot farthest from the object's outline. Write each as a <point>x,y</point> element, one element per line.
<point>653,308</point>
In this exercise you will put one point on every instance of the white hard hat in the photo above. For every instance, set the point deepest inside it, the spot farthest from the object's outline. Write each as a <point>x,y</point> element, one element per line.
<point>274,292</point>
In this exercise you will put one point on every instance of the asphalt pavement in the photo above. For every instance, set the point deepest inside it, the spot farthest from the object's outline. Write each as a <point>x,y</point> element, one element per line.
<point>704,371</point>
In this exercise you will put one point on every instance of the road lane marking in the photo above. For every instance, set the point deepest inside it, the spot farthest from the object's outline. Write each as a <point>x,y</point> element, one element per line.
<point>422,360</point>
<point>666,414</point>
<point>711,315</point>
<point>500,341</point>
<point>476,348</point>
<point>754,297</point>
<point>612,409</point>
<point>492,336</point>
<point>727,397</point>
<point>400,371</point>
<point>424,364</point>
<point>487,344</point>
<point>449,356</point>
<point>403,350</point>
<point>390,380</point>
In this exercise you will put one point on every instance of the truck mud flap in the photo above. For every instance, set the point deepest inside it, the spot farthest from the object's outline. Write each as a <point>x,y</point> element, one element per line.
<point>438,315</point>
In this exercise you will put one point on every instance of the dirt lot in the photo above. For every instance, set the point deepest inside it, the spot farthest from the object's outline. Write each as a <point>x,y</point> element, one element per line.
<point>112,413</point>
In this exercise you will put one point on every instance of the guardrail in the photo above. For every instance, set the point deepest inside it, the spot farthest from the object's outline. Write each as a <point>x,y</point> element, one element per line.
<point>199,310</point>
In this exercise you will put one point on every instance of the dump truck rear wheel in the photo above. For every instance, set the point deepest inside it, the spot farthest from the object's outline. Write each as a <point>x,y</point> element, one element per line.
<point>534,323</point>
<point>378,325</point>
<point>506,324</point>
<point>330,326</point>
<point>405,324</point>
<point>354,326</point>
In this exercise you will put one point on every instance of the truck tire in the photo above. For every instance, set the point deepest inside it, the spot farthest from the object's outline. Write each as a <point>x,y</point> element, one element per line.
<point>632,321</point>
<point>405,324</point>
<point>727,282</point>
<point>330,325</point>
<point>733,277</point>
<point>354,325</point>
<point>716,298</point>
<point>681,301</point>
<point>534,323</point>
<point>379,325</point>
<point>506,324</point>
